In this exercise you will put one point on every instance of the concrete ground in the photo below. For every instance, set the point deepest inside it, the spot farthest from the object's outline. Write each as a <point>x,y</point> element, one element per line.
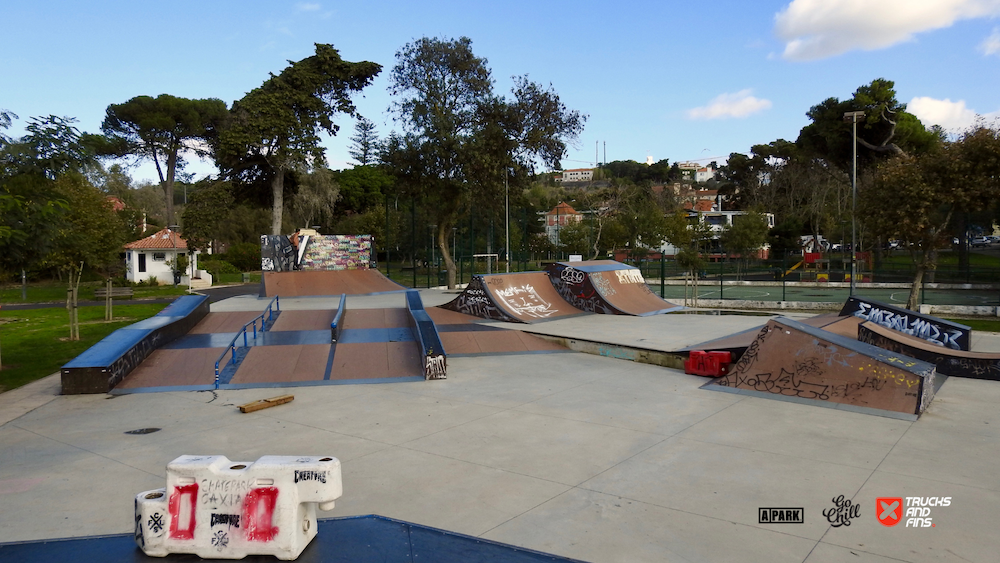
<point>578,455</point>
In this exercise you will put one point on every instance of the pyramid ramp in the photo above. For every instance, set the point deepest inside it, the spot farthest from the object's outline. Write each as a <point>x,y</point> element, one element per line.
<point>607,287</point>
<point>525,297</point>
<point>792,361</point>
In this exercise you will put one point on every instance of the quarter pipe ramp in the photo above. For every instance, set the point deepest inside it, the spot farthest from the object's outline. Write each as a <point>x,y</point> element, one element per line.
<point>608,287</point>
<point>326,282</point>
<point>524,297</point>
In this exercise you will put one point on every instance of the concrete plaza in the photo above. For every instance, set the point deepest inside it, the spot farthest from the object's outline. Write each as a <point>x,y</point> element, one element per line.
<point>578,455</point>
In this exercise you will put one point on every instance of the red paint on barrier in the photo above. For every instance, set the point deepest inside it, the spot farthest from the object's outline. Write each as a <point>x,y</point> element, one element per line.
<point>258,513</point>
<point>182,509</point>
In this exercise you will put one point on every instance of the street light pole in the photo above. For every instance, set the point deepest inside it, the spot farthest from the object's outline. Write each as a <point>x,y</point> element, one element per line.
<point>853,117</point>
<point>506,191</point>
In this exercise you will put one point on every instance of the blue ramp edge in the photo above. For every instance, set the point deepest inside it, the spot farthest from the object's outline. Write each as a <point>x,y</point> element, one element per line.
<point>356,539</point>
<point>425,331</point>
<point>105,364</point>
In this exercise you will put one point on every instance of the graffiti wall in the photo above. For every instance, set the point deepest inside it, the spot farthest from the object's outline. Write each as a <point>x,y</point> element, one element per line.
<point>318,252</point>
<point>276,254</point>
<point>932,329</point>
<point>337,252</point>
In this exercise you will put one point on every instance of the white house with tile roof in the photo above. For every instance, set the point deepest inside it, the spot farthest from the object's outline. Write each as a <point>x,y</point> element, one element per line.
<point>154,256</point>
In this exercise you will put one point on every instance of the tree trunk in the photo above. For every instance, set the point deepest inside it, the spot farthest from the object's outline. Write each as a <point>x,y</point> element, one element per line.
<point>168,188</point>
<point>449,264</point>
<point>278,195</point>
<point>913,301</point>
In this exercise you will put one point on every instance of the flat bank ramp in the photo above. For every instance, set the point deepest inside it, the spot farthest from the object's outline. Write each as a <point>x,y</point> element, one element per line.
<point>795,362</point>
<point>608,287</point>
<point>948,361</point>
<point>300,283</point>
<point>524,297</point>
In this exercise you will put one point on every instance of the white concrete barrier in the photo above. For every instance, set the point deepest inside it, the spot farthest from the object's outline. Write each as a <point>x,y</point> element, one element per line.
<point>221,509</point>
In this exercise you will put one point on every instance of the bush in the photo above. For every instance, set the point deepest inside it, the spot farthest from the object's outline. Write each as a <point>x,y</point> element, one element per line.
<point>216,267</point>
<point>245,256</point>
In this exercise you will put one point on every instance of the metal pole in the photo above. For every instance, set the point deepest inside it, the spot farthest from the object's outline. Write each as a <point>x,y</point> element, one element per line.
<point>506,191</point>
<point>663,273</point>
<point>854,211</point>
<point>854,117</point>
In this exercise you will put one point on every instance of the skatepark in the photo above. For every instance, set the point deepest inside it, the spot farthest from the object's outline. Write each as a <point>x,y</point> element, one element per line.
<point>527,441</point>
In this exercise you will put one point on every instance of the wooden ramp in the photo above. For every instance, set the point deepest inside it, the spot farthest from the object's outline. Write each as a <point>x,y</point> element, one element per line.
<point>792,361</point>
<point>326,282</point>
<point>525,297</point>
<point>608,287</point>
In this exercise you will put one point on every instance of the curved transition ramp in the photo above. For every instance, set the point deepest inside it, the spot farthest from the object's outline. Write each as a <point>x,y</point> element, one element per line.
<point>950,362</point>
<point>799,363</point>
<point>300,283</point>
<point>937,331</point>
<point>525,297</point>
<point>608,287</point>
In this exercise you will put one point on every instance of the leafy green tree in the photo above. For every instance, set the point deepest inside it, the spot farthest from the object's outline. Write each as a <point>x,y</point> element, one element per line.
<point>888,129</point>
<point>161,129</point>
<point>365,145</point>
<point>362,188</point>
<point>745,237</point>
<point>276,127</point>
<point>206,213</point>
<point>915,196</point>
<point>30,204</point>
<point>462,142</point>
<point>317,196</point>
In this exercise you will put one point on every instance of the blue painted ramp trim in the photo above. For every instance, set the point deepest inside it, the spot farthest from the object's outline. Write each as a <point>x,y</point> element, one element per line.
<point>356,539</point>
<point>104,365</point>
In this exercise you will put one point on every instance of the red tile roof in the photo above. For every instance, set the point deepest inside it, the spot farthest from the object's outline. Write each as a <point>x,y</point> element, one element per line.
<point>164,239</point>
<point>563,209</point>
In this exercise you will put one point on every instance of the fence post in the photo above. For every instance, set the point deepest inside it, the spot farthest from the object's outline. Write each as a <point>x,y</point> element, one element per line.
<point>784,271</point>
<point>663,273</point>
<point>722,273</point>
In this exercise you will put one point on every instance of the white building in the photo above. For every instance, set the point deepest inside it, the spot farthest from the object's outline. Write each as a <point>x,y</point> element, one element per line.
<point>155,255</point>
<point>577,175</point>
<point>718,221</point>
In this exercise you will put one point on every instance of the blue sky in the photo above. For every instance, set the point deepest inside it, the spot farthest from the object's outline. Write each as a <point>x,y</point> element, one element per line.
<point>675,80</point>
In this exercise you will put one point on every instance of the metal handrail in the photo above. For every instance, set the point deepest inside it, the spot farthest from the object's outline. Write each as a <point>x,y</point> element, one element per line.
<point>231,347</point>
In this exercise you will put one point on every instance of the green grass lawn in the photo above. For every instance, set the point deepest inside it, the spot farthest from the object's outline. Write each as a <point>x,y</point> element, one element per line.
<point>48,292</point>
<point>985,325</point>
<point>34,343</point>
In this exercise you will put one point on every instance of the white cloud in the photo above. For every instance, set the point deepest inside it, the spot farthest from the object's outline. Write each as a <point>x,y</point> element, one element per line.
<point>307,7</point>
<point>739,104</point>
<point>816,29</point>
<point>946,113</point>
<point>991,45</point>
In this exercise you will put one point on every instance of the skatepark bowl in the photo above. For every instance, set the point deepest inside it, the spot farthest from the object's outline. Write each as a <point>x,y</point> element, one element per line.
<point>599,456</point>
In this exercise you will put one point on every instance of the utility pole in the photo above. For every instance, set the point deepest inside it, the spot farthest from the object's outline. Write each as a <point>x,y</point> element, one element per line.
<point>853,117</point>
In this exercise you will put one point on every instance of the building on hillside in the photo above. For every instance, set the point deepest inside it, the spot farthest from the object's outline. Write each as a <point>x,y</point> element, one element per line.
<point>718,221</point>
<point>576,175</point>
<point>560,216</point>
<point>704,174</point>
<point>696,172</point>
<point>155,255</point>
<point>691,197</point>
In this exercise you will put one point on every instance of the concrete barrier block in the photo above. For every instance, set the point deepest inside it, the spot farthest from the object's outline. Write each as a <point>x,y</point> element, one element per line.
<point>220,509</point>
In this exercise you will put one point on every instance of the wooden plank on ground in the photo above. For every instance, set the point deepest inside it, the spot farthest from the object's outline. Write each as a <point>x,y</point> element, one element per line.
<point>266,403</point>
